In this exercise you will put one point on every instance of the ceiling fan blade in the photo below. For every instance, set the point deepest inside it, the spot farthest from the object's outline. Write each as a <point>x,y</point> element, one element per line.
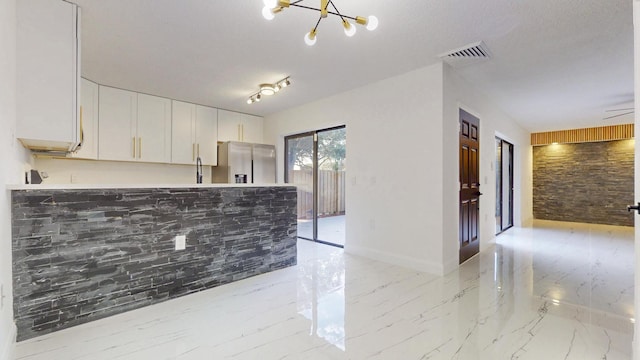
<point>627,109</point>
<point>618,115</point>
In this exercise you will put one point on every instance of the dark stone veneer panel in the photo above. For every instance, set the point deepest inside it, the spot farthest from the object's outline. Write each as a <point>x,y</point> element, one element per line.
<point>82,255</point>
<point>587,182</point>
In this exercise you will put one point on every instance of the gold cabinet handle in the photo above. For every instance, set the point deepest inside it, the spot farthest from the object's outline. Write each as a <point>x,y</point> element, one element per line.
<point>134,146</point>
<point>198,150</point>
<point>81,128</point>
<point>139,148</point>
<point>193,152</point>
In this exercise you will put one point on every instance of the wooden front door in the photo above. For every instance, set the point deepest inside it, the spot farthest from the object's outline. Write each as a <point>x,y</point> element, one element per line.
<point>469,185</point>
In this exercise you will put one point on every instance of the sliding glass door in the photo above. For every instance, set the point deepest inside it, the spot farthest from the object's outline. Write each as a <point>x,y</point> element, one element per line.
<point>299,171</point>
<point>316,163</point>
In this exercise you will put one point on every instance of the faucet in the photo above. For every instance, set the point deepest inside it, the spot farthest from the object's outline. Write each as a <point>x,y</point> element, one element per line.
<point>198,170</point>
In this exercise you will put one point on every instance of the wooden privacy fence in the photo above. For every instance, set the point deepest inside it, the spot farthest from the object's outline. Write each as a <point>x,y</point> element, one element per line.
<point>331,192</point>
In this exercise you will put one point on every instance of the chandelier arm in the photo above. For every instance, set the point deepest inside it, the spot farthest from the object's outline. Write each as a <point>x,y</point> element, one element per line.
<point>317,9</point>
<point>318,23</point>
<point>329,12</point>
<point>336,9</point>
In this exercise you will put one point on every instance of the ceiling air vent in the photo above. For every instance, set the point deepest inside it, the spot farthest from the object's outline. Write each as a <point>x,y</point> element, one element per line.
<point>467,55</point>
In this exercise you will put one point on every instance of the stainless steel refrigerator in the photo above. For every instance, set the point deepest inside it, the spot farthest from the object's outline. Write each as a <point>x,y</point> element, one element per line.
<point>240,162</point>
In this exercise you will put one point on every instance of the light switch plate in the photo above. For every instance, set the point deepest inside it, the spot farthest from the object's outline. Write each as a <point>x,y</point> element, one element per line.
<point>181,242</point>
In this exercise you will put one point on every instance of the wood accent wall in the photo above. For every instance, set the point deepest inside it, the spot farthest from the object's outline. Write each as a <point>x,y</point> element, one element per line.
<point>595,134</point>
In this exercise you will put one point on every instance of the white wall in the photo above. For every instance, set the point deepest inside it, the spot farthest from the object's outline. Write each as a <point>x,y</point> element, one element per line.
<point>394,159</point>
<point>493,122</point>
<point>402,164</point>
<point>13,158</point>
<point>68,171</point>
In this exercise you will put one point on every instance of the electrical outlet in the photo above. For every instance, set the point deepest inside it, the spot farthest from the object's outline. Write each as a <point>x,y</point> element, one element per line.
<point>74,178</point>
<point>181,242</point>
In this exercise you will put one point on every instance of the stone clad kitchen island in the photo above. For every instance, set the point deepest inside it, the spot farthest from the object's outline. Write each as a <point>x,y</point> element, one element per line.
<point>81,253</point>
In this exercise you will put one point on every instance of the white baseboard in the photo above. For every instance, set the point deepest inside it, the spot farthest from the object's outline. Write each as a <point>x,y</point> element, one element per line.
<point>6,352</point>
<point>400,260</point>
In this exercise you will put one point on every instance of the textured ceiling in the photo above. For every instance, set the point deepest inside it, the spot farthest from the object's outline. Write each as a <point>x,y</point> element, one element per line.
<point>555,64</point>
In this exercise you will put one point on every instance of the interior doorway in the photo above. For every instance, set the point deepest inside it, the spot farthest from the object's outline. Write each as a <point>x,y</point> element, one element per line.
<point>469,185</point>
<point>315,162</point>
<point>504,185</point>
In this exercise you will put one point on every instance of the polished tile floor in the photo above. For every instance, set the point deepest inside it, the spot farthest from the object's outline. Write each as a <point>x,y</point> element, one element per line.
<point>554,291</point>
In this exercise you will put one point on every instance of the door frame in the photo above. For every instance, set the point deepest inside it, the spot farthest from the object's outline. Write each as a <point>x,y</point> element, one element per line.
<point>315,195</point>
<point>499,204</point>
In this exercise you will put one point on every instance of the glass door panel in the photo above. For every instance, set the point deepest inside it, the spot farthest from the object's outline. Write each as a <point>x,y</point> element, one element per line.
<point>504,185</point>
<point>507,185</point>
<point>331,185</point>
<point>299,171</point>
<point>316,163</point>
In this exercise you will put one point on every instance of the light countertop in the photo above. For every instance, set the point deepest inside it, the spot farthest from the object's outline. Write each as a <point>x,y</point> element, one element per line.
<point>131,186</point>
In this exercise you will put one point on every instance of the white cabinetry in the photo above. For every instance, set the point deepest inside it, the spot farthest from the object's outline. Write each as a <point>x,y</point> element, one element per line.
<point>134,127</point>
<point>206,134</point>
<point>47,68</point>
<point>194,133</point>
<point>117,119</point>
<point>88,121</point>
<point>154,129</point>
<point>233,126</point>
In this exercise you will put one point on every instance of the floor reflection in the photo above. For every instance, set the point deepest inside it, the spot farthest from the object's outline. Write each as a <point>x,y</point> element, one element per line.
<point>321,296</point>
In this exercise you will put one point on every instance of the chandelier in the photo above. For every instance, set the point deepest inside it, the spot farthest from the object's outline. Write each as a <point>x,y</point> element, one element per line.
<point>272,7</point>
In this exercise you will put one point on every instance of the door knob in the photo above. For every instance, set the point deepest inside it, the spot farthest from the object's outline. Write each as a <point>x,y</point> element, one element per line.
<point>634,207</point>
<point>478,193</point>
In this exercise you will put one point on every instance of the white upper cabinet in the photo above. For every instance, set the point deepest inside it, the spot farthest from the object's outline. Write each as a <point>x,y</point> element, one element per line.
<point>183,147</point>
<point>233,126</point>
<point>117,124</point>
<point>194,133</point>
<point>134,127</point>
<point>47,67</point>
<point>88,121</point>
<point>206,134</point>
<point>252,129</point>
<point>153,129</point>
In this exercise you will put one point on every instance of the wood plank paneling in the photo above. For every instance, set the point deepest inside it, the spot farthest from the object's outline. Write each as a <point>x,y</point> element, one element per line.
<point>595,134</point>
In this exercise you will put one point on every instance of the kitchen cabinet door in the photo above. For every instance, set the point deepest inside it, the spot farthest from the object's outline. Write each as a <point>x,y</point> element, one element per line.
<point>47,71</point>
<point>153,137</point>
<point>183,146</point>
<point>251,130</point>
<point>233,126</point>
<point>206,134</point>
<point>88,121</point>
<point>117,126</point>
<point>229,125</point>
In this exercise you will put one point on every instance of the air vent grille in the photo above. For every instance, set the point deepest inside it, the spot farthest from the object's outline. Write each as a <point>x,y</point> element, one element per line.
<point>467,55</point>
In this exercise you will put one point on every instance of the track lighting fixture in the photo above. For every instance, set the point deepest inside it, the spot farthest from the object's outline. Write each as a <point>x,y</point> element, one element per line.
<point>269,89</point>
<point>272,7</point>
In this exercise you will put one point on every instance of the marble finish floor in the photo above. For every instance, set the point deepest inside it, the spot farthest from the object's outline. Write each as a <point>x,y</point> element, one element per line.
<point>331,229</point>
<point>554,291</point>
